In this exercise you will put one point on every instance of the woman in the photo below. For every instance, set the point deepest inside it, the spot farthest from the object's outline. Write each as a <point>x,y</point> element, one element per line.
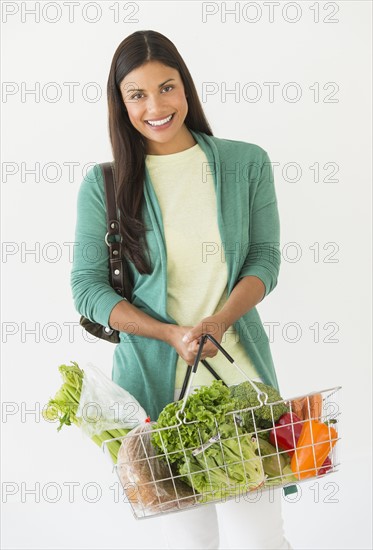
<point>204,211</point>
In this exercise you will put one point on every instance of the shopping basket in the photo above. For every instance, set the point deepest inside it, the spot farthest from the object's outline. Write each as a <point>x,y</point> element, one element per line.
<point>299,446</point>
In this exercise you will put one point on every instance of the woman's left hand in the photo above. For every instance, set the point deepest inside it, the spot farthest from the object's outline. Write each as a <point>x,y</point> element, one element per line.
<point>214,325</point>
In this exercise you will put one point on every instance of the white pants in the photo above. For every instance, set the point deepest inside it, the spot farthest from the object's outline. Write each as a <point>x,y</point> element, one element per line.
<point>234,524</point>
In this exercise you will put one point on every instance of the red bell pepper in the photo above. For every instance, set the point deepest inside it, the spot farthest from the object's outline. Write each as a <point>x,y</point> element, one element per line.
<point>283,432</point>
<point>325,467</point>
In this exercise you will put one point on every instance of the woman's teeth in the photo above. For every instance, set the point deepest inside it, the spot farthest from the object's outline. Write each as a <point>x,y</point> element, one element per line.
<point>160,122</point>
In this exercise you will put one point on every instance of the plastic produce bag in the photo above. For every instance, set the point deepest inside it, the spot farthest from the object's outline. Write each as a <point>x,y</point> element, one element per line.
<point>147,479</point>
<point>104,405</point>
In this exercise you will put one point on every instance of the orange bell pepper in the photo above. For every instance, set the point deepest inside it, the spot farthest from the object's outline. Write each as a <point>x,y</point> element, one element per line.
<point>309,457</point>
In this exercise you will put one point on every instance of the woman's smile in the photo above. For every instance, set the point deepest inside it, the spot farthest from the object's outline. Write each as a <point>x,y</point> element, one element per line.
<point>160,122</point>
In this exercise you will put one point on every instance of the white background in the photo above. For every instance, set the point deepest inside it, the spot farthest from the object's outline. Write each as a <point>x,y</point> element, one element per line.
<point>312,290</point>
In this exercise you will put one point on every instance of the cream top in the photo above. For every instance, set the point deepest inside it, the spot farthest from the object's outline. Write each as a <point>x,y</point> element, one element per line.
<point>197,273</point>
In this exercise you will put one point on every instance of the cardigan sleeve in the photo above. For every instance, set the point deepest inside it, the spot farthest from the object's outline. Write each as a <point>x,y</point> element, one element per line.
<point>92,293</point>
<point>264,257</point>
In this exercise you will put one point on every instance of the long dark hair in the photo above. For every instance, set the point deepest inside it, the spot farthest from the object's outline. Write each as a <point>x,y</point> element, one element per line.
<point>128,144</point>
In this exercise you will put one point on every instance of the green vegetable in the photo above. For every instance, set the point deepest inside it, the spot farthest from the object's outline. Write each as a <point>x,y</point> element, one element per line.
<point>245,397</point>
<point>226,468</point>
<point>204,410</point>
<point>275,464</point>
<point>205,414</point>
<point>65,405</point>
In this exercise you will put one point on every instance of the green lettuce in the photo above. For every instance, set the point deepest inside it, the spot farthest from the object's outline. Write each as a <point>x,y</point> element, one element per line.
<point>222,469</point>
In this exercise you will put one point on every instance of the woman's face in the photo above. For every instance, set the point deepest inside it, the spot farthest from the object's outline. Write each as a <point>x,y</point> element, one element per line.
<point>152,93</point>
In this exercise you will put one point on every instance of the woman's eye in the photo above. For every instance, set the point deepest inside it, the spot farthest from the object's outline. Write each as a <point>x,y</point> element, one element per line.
<point>136,96</point>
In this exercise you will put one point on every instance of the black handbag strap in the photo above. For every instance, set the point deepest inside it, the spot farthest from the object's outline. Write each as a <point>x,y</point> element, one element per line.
<point>118,270</point>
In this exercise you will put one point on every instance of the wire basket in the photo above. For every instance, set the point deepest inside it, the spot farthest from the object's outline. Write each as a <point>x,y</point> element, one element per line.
<point>237,456</point>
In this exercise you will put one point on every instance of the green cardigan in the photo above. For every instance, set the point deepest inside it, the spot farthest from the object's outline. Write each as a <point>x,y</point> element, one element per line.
<point>249,226</point>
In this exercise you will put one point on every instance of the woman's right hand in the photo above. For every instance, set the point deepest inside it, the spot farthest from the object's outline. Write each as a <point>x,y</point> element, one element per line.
<point>188,351</point>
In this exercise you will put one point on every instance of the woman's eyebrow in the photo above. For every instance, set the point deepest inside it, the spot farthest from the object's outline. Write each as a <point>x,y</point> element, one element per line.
<point>141,90</point>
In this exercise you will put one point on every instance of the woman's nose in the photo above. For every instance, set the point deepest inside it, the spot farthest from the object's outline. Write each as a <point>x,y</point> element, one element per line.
<point>154,106</point>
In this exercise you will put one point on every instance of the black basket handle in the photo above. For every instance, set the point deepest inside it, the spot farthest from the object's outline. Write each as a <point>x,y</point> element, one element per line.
<point>191,371</point>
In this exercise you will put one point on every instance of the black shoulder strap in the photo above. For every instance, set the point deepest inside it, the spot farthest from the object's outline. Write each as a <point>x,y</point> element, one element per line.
<point>118,270</point>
